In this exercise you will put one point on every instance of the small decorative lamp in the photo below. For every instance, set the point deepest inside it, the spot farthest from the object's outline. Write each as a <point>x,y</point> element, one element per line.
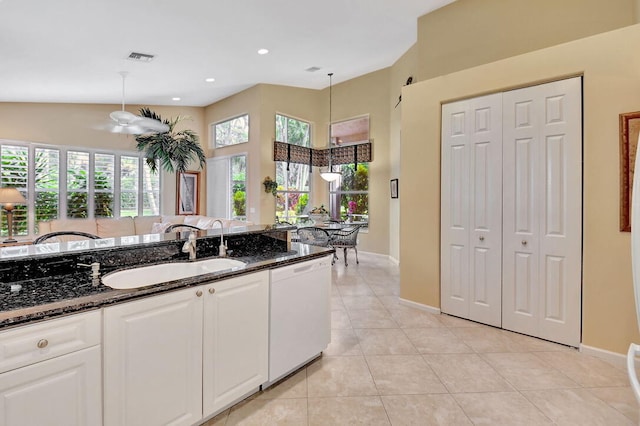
<point>9,197</point>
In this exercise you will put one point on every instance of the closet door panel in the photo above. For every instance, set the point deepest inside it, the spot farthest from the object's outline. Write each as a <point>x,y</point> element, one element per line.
<point>543,210</point>
<point>471,211</point>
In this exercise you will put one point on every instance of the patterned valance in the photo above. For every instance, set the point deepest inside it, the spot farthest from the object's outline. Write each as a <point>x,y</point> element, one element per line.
<point>356,153</point>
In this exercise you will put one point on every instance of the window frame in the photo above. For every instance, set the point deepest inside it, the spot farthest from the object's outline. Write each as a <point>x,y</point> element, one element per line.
<point>213,142</point>
<point>285,192</point>
<point>62,186</point>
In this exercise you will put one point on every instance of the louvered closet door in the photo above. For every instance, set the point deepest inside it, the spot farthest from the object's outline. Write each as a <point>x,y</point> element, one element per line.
<point>542,180</point>
<point>471,219</point>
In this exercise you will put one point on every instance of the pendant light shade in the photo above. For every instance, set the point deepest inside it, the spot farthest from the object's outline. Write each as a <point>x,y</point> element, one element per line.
<point>329,175</point>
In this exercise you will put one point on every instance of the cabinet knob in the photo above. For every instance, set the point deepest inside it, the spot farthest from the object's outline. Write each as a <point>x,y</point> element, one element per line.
<point>212,290</point>
<point>524,242</point>
<point>42,343</point>
<point>481,237</point>
<point>199,293</point>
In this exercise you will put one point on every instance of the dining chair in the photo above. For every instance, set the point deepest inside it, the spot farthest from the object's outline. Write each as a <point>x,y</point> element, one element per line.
<point>345,238</point>
<point>313,236</point>
<point>54,235</point>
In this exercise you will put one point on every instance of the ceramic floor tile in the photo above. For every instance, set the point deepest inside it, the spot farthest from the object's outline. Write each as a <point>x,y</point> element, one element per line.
<point>622,399</point>
<point>343,343</point>
<point>486,339</point>
<point>500,408</point>
<point>340,320</point>
<point>466,373</point>
<point>414,318</point>
<point>340,376</point>
<point>403,375</point>
<point>436,340</point>
<point>347,411</point>
<point>354,290</point>
<point>385,288</point>
<point>265,412</point>
<point>361,302</point>
<point>424,410</point>
<point>336,304</point>
<point>294,386</point>
<point>384,342</point>
<point>218,420</point>
<point>451,321</point>
<point>525,371</point>
<point>585,370</point>
<point>575,407</point>
<point>389,302</point>
<point>372,318</point>
<point>533,344</point>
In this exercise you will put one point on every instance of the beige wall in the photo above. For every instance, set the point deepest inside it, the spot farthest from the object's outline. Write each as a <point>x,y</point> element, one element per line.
<point>611,85</point>
<point>79,125</point>
<point>368,94</point>
<point>467,33</point>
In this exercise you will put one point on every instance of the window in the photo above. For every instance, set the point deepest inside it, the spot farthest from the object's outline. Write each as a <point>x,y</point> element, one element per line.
<point>350,193</point>
<point>231,132</point>
<point>294,181</point>
<point>227,183</point>
<point>75,183</point>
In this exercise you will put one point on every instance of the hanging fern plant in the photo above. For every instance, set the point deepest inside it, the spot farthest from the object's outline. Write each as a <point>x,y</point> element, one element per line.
<point>174,151</point>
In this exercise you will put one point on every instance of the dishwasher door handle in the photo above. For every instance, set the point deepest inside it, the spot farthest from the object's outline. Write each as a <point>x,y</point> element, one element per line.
<point>304,268</point>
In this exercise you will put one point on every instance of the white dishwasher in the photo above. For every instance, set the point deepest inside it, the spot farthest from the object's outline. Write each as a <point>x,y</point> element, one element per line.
<point>300,315</point>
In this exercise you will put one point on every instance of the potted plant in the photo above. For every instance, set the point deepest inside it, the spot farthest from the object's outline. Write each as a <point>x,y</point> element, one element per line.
<point>172,149</point>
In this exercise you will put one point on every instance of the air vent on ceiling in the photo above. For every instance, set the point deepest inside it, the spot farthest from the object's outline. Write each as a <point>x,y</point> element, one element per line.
<point>313,69</point>
<point>140,57</point>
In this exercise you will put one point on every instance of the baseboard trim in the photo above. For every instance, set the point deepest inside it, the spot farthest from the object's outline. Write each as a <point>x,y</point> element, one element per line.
<point>412,304</point>
<point>614,358</point>
<point>386,256</point>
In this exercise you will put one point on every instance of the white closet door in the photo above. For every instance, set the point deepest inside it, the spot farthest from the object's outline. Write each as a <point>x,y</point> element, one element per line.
<point>471,220</point>
<point>542,169</point>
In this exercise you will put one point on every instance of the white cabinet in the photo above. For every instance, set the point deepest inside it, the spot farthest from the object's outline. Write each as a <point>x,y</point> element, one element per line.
<point>51,373</point>
<point>236,344</point>
<point>170,358</point>
<point>153,360</point>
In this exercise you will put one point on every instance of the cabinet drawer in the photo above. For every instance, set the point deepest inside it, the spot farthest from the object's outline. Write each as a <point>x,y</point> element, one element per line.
<point>33,343</point>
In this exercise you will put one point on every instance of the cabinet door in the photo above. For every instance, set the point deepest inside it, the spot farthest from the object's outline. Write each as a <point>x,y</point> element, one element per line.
<point>471,220</point>
<point>62,391</point>
<point>236,339</point>
<point>153,360</point>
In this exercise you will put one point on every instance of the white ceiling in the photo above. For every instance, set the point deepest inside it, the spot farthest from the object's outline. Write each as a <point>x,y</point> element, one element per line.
<point>72,50</point>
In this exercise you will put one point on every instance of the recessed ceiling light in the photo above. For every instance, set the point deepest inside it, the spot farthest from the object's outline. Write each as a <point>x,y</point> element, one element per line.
<point>175,99</point>
<point>263,51</point>
<point>210,80</point>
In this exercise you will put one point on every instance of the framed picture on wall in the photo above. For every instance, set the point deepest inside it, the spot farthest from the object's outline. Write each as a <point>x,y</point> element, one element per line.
<point>394,188</point>
<point>187,186</point>
<point>629,131</point>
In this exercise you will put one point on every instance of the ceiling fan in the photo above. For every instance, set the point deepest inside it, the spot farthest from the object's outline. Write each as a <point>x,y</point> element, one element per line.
<point>126,122</point>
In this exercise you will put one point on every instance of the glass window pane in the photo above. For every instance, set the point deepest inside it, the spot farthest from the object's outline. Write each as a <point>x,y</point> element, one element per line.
<point>46,185</point>
<point>77,184</point>
<point>239,187</point>
<point>103,185</point>
<point>15,161</point>
<point>151,191</point>
<point>232,131</point>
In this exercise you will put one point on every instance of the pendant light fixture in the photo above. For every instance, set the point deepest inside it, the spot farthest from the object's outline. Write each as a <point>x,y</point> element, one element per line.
<point>330,175</point>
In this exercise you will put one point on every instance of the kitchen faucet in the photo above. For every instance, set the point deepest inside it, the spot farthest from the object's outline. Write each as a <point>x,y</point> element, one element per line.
<point>222,248</point>
<point>190,246</point>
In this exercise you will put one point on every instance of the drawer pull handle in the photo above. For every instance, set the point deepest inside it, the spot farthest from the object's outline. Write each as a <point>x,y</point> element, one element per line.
<point>524,242</point>
<point>481,238</point>
<point>199,293</point>
<point>42,343</point>
<point>212,290</point>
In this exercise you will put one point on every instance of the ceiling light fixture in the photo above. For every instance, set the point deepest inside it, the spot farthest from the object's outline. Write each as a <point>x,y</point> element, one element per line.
<point>330,175</point>
<point>263,51</point>
<point>176,99</point>
<point>210,80</point>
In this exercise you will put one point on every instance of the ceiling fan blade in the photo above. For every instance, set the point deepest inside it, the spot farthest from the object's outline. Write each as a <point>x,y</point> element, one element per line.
<point>152,126</point>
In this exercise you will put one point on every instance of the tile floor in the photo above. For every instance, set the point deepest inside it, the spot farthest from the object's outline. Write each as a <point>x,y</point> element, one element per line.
<point>390,364</point>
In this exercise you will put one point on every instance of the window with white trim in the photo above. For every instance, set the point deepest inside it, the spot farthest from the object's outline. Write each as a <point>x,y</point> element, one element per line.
<point>72,182</point>
<point>294,180</point>
<point>230,132</point>
<point>227,184</point>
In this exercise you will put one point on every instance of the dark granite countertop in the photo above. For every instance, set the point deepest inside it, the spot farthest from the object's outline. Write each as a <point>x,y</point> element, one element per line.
<point>46,297</point>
